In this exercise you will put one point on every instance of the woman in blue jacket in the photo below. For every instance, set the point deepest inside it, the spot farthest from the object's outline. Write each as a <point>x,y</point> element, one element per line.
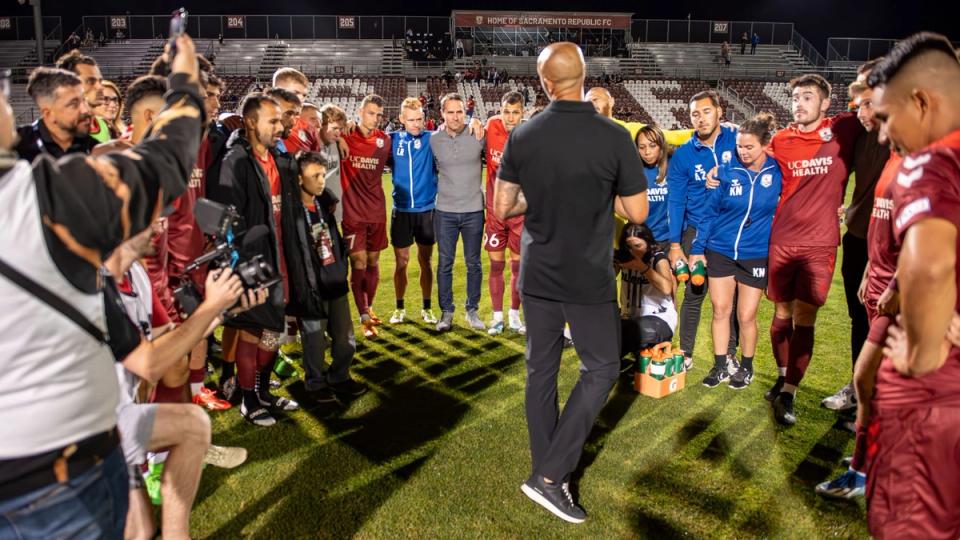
<point>733,241</point>
<point>654,152</point>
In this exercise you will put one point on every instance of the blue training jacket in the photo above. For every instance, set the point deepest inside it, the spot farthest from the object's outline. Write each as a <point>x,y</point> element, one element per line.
<point>657,199</point>
<point>687,175</point>
<point>738,214</point>
<point>414,172</point>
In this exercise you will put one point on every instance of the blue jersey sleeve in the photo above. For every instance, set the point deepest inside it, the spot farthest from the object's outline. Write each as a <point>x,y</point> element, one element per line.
<point>711,209</point>
<point>677,172</point>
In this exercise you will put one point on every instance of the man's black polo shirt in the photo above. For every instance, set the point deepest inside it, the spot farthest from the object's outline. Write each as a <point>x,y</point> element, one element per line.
<point>570,163</point>
<point>35,139</point>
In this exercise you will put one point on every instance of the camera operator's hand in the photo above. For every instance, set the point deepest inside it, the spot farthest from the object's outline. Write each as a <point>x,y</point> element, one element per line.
<point>251,299</point>
<point>223,289</point>
<point>186,59</point>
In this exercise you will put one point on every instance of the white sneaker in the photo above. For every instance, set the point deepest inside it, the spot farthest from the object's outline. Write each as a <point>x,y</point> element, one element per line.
<point>844,399</point>
<point>225,457</point>
<point>428,316</point>
<point>398,316</point>
<point>496,328</point>
<point>517,325</point>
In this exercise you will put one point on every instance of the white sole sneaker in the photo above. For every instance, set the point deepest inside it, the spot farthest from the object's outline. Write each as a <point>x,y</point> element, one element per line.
<point>539,499</point>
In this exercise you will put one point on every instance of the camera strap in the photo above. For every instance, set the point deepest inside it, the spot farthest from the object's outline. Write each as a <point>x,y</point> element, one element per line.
<point>51,299</point>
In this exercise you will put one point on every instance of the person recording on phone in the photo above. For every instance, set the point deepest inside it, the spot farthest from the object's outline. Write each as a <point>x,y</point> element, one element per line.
<point>58,407</point>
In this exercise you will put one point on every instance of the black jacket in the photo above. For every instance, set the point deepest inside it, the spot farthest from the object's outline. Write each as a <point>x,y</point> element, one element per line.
<point>35,139</point>
<point>311,283</point>
<point>243,184</point>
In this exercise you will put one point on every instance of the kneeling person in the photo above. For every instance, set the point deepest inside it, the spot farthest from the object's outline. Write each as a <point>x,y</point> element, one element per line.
<point>647,307</point>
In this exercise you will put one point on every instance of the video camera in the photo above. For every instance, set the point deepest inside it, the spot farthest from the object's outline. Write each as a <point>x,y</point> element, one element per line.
<point>225,227</point>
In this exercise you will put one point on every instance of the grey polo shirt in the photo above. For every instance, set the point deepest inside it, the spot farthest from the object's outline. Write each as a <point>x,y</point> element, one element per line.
<point>459,188</point>
<point>331,153</point>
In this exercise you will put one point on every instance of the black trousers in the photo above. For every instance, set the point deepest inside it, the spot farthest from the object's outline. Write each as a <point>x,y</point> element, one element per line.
<point>693,304</point>
<point>556,439</point>
<point>854,262</point>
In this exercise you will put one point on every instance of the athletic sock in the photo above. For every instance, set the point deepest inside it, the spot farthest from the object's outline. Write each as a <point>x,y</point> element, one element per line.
<point>196,380</point>
<point>790,389</point>
<point>246,364</point>
<point>400,303</point>
<point>781,331</point>
<point>250,400</point>
<point>358,280</point>
<point>782,372</point>
<point>263,384</point>
<point>168,394</point>
<point>373,280</point>
<point>495,282</point>
<point>746,362</point>
<point>497,316</point>
<point>426,303</point>
<point>719,361</point>
<point>801,349</point>
<point>227,370</point>
<point>514,279</point>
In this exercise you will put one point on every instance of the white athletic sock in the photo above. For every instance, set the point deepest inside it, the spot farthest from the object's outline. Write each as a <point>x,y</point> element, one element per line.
<point>790,389</point>
<point>514,314</point>
<point>782,371</point>
<point>195,388</point>
<point>497,316</point>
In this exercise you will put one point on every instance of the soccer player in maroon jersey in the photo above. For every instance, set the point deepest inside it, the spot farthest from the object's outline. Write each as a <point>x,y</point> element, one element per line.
<point>912,460</point>
<point>502,234</point>
<point>816,153</point>
<point>364,206</point>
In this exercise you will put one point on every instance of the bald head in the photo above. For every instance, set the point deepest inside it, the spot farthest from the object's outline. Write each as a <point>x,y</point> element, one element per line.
<point>602,100</point>
<point>561,69</point>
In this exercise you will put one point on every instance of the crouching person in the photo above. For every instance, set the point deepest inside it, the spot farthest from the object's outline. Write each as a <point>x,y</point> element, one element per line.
<point>317,264</point>
<point>140,332</point>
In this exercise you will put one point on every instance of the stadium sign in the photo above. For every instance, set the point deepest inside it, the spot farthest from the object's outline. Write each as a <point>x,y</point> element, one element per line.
<point>5,23</point>
<point>721,27</point>
<point>347,22</point>
<point>527,19</point>
<point>234,21</point>
<point>118,23</point>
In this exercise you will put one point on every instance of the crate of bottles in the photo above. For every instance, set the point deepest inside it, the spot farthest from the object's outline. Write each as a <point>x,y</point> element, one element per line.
<point>660,371</point>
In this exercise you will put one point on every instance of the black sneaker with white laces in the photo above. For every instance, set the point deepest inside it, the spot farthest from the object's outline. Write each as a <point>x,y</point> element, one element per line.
<point>554,497</point>
<point>741,379</point>
<point>774,390</point>
<point>717,375</point>
<point>783,409</point>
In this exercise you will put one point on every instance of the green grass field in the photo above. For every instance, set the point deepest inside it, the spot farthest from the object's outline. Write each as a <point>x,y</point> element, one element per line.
<point>438,447</point>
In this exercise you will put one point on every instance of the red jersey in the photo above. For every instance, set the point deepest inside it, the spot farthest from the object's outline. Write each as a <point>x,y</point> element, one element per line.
<point>185,241</point>
<point>302,137</point>
<point>497,136</point>
<point>927,186</point>
<point>816,167</point>
<point>880,242</point>
<point>157,266</point>
<point>269,167</point>
<point>361,177</point>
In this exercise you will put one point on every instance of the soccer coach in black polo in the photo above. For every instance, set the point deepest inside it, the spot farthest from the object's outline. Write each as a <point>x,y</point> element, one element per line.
<point>564,170</point>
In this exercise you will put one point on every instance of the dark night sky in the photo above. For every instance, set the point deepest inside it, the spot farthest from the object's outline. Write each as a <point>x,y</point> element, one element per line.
<point>815,19</point>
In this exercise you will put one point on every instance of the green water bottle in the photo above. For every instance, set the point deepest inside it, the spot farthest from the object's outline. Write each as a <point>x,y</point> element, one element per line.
<point>678,362</point>
<point>682,271</point>
<point>658,369</point>
<point>644,361</point>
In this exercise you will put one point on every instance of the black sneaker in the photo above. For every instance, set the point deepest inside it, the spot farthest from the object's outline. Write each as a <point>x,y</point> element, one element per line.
<point>554,497</point>
<point>322,395</point>
<point>349,387</point>
<point>278,403</point>
<point>774,390</point>
<point>717,375</point>
<point>230,391</point>
<point>783,409</point>
<point>741,379</point>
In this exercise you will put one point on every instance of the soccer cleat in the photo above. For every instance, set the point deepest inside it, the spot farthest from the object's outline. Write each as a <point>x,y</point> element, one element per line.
<point>473,319</point>
<point>277,403</point>
<point>741,379</point>
<point>446,322</point>
<point>774,390</point>
<point>845,399</point>
<point>369,328</point>
<point>225,457</point>
<point>428,316</point>
<point>717,375</point>
<point>849,485</point>
<point>496,328</point>
<point>152,480</point>
<point>208,399</point>
<point>398,316</point>
<point>258,417</point>
<point>373,317</point>
<point>783,409</point>
<point>555,498</point>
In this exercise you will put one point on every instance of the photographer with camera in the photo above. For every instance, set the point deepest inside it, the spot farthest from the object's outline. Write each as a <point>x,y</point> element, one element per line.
<point>647,308</point>
<point>250,180</point>
<point>58,408</point>
<point>182,430</point>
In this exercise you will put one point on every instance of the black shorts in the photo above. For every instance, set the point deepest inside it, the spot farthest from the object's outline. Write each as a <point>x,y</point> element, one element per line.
<point>642,333</point>
<point>409,227</point>
<point>750,272</point>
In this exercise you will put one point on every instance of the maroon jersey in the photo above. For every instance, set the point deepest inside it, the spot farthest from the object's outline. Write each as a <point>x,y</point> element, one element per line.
<point>816,167</point>
<point>185,240</point>
<point>880,242</point>
<point>302,138</point>
<point>361,177</point>
<point>927,186</point>
<point>497,135</point>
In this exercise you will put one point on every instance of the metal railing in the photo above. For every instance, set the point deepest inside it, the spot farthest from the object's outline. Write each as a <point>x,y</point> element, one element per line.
<point>807,50</point>
<point>21,28</point>
<point>708,31</point>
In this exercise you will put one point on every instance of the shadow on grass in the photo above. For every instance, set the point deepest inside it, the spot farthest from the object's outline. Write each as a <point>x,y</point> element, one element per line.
<point>368,457</point>
<point>616,408</point>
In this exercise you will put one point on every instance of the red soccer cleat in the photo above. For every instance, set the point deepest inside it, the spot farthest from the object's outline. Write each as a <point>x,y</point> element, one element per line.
<point>208,400</point>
